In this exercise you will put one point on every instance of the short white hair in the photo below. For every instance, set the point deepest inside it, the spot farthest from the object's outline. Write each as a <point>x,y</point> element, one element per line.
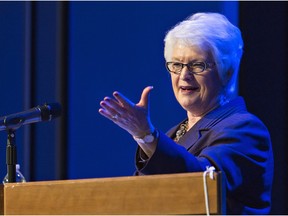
<point>214,33</point>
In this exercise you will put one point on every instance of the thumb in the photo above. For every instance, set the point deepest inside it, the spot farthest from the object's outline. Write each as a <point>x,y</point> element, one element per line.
<point>144,101</point>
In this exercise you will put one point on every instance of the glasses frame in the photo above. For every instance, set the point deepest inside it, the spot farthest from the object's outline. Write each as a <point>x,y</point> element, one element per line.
<point>206,65</point>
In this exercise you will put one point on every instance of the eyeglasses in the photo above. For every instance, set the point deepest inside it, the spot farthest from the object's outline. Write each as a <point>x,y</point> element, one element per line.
<point>193,67</point>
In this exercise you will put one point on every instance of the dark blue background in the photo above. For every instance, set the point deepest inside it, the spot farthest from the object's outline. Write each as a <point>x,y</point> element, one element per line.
<point>118,46</point>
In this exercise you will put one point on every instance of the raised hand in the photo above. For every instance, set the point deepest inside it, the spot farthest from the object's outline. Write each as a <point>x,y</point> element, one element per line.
<point>134,118</point>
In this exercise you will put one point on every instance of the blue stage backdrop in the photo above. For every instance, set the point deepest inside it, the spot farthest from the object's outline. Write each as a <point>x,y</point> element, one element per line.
<point>11,71</point>
<point>77,53</point>
<point>119,46</point>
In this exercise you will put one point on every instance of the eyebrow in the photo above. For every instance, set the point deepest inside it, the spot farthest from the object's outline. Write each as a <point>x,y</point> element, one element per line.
<point>175,59</point>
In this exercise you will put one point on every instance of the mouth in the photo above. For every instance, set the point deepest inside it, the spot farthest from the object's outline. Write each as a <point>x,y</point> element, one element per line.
<point>188,89</point>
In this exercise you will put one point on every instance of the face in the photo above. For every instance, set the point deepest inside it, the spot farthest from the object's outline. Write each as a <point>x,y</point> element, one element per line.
<point>196,93</point>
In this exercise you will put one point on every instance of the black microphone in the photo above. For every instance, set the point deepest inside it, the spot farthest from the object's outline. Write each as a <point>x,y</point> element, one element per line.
<point>45,112</point>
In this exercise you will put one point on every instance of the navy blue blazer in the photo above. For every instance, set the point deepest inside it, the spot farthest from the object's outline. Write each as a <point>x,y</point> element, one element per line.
<point>229,138</point>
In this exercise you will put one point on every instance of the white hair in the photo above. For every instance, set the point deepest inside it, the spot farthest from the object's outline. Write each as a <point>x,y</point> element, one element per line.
<point>212,32</point>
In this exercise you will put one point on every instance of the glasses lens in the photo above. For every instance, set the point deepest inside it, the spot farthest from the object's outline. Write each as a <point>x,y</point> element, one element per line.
<point>197,67</point>
<point>174,66</point>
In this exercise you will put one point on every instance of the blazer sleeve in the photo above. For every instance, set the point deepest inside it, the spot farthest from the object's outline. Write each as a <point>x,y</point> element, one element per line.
<point>243,151</point>
<point>169,157</point>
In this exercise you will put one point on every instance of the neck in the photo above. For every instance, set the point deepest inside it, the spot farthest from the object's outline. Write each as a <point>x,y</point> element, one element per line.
<point>192,120</point>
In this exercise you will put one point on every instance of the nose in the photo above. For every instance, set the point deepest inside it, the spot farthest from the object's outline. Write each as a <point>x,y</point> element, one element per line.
<point>186,74</point>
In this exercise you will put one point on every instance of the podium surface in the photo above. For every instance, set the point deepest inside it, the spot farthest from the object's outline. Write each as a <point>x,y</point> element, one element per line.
<point>153,194</point>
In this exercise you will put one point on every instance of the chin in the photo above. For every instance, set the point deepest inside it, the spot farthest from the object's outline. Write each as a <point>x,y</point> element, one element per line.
<point>187,106</point>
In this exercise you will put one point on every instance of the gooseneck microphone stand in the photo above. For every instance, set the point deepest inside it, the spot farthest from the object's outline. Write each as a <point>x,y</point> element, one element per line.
<point>11,156</point>
<point>12,122</point>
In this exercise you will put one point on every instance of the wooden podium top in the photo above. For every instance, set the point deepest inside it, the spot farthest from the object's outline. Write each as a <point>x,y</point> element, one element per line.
<point>153,194</point>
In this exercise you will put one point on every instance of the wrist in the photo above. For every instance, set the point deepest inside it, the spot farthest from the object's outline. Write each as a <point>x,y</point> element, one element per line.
<point>147,138</point>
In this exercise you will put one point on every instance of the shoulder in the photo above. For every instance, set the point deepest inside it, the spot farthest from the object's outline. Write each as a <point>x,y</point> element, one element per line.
<point>242,120</point>
<point>234,115</point>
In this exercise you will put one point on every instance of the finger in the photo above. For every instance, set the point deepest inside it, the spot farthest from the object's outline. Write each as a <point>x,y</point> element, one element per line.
<point>109,108</point>
<point>124,101</point>
<point>144,101</point>
<point>109,113</point>
<point>112,103</point>
<point>105,113</point>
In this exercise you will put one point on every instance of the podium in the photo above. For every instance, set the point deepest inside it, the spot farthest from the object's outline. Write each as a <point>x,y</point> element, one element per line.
<point>153,194</point>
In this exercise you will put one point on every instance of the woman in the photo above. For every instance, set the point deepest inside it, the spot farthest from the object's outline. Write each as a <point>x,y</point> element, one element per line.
<point>202,55</point>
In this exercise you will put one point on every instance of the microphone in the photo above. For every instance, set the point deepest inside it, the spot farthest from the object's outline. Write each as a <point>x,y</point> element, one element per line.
<point>45,112</point>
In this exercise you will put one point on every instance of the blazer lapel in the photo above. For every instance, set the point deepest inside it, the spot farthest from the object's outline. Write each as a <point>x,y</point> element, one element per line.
<point>189,138</point>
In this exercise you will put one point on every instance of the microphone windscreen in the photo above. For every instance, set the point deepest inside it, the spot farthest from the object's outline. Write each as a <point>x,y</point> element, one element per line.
<point>50,111</point>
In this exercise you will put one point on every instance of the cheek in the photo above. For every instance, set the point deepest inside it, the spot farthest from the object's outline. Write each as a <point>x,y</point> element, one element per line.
<point>174,82</point>
<point>214,85</point>
<point>209,84</point>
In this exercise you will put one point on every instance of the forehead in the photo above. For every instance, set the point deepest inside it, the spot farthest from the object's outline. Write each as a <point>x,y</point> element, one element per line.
<point>183,52</point>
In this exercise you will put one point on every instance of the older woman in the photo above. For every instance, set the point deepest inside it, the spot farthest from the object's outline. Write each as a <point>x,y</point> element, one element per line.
<point>202,55</point>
